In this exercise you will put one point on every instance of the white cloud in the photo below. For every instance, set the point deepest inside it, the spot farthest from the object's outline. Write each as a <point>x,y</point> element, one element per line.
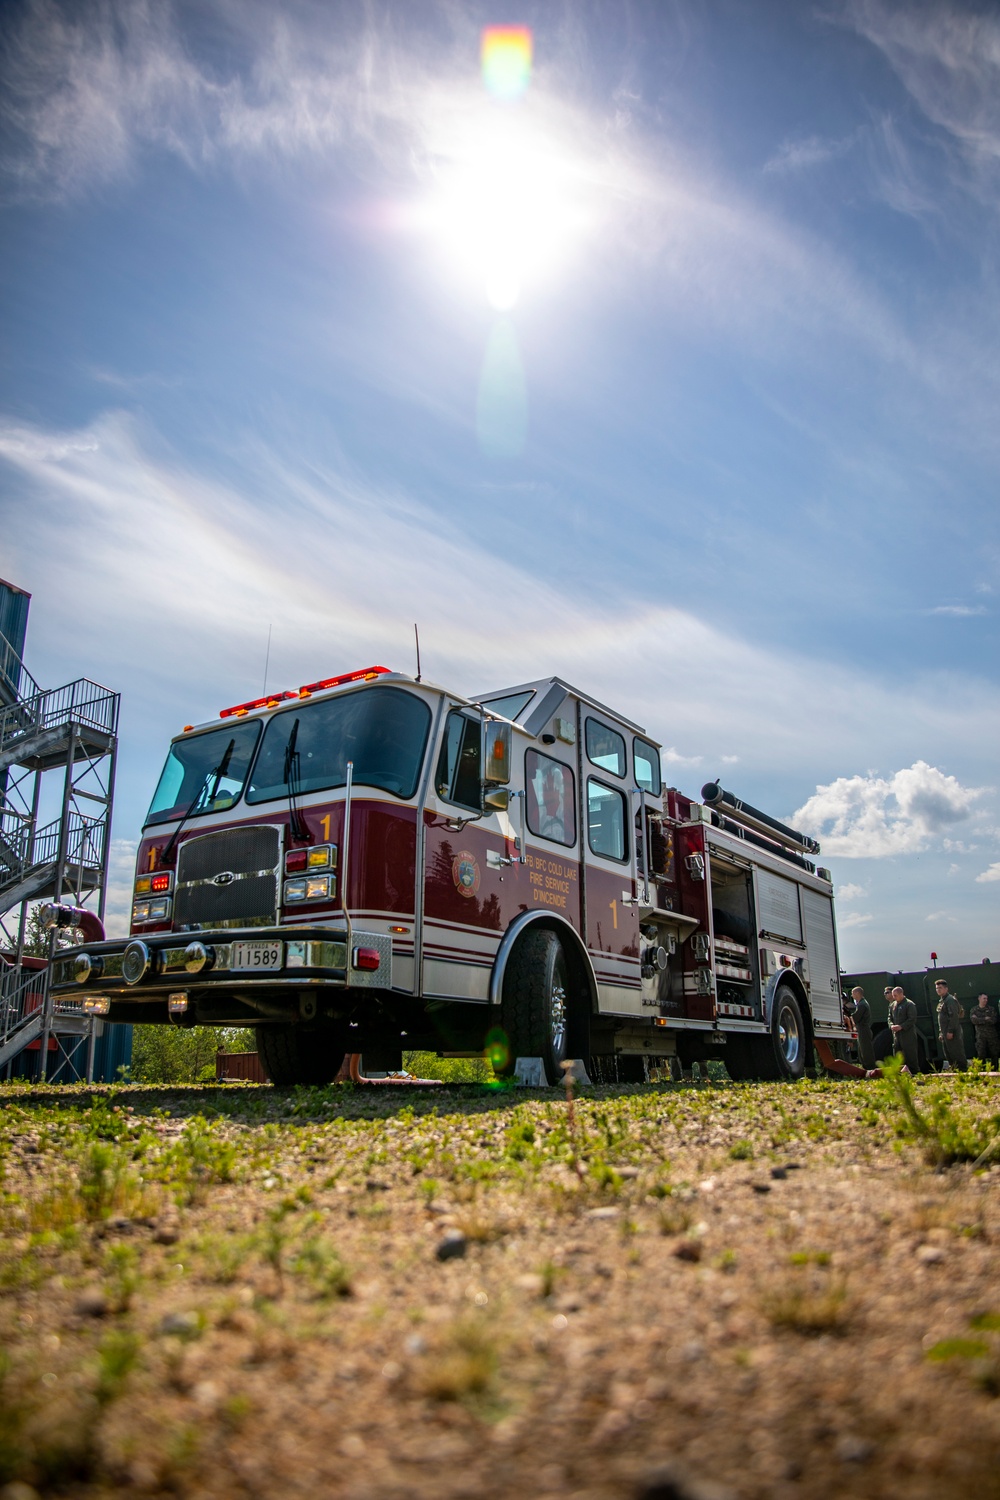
<point>870,816</point>
<point>959,609</point>
<point>851,892</point>
<point>121,874</point>
<point>855,919</point>
<point>989,875</point>
<point>940,916</point>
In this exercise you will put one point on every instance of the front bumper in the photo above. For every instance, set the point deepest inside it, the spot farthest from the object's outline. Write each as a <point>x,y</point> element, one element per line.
<point>203,964</point>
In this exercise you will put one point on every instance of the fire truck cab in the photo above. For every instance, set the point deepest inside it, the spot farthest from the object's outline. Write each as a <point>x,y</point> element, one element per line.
<point>373,864</point>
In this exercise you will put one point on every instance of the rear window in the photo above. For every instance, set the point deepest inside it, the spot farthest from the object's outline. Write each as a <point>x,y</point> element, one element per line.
<point>606,820</point>
<point>646,759</point>
<point>605,748</point>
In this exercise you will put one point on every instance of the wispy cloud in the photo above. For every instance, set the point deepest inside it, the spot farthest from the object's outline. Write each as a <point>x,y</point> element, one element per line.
<point>804,152</point>
<point>948,57</point>
<point>959,610</point>
<point>854,919</point>
<point>851,892</point>
<point>212,564</point>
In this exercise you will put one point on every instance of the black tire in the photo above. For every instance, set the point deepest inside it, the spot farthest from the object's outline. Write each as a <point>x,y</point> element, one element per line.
<point>535,1007</point>
<point>291,1055</point>
<point>788,1035</point>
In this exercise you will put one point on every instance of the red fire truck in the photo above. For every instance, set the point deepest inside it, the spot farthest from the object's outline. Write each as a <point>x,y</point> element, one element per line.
<point>372,864</point>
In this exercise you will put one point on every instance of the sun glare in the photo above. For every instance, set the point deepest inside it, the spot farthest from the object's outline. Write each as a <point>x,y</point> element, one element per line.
<point>506,207</point>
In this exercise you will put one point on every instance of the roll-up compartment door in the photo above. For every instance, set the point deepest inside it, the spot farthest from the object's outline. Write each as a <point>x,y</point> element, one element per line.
<point>778,906</point>
<point>821,946</point>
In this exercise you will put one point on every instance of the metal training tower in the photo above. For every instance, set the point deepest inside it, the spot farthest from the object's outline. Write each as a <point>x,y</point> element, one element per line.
<point>58,751</point>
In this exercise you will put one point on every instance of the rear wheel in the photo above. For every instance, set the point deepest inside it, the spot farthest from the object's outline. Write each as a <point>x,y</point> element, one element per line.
<point>536,1002</point>
<point>290,1054</point>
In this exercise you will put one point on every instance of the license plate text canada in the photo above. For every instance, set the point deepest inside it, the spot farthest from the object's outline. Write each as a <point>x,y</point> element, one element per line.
<point>256,955</point>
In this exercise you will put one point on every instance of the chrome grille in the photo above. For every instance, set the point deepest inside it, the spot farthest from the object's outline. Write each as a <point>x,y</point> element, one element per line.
<point>249,857</point>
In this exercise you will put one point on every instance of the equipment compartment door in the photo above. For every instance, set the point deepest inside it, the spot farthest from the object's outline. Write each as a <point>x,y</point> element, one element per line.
<point>821,948</point>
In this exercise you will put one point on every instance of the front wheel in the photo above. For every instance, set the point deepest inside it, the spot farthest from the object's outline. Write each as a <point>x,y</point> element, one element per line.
<point>535,1006</point>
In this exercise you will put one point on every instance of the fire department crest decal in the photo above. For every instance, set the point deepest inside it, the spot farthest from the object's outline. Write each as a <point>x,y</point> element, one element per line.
<point>465,873</point>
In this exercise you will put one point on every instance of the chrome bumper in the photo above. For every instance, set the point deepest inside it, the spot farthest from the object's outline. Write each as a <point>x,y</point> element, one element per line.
<point>309,957</point>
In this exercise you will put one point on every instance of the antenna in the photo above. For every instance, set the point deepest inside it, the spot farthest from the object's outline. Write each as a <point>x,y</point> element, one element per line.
<point>416,637</point>
<point>267,660</point>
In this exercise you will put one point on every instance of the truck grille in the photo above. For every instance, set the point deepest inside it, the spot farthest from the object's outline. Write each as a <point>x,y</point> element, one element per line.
<point>228,879</point>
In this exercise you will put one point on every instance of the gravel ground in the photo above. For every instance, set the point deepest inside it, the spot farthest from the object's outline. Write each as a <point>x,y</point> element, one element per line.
<point>665,1293</point>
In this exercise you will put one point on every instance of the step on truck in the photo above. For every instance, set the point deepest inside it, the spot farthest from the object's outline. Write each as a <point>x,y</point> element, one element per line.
<point>372,864</point>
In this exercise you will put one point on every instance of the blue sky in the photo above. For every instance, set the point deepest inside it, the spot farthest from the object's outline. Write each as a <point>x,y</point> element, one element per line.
<point>677,376</point>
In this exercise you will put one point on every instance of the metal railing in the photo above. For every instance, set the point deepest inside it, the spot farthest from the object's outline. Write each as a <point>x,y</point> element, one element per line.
<point>24,848</point>
<point>15,679</point>
<point>81,702</point>
<point>22,998</point>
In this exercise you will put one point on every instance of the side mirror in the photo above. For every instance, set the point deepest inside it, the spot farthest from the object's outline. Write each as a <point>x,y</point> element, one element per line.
<point>496,751</point>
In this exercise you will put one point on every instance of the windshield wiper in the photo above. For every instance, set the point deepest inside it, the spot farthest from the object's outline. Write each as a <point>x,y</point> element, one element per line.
<point>296,827</point>
<point>200,800</point>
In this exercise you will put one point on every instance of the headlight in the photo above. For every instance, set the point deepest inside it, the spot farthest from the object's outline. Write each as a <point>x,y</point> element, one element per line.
<point>140,911</point>
<point>295,890</point>
<point>159,910</point>
<point>318,888</point>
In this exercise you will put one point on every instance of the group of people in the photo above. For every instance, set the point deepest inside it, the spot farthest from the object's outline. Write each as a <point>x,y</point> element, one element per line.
<point>985,1018</point>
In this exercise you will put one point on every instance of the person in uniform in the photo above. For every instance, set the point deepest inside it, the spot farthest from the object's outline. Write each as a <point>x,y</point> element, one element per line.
<point>903,1025</point>
<point>861,1013</point>
<point>950,1024</point>
<point>985,1018</point>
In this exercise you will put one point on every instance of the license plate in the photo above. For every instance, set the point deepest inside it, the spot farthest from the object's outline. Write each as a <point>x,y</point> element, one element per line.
<point>259,956</point>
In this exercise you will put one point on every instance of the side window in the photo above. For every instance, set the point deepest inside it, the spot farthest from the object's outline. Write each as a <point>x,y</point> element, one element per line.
<point>606,820</point>
<point>550,797</point>
<point>646,759</point>
<point>605,748</point>
<point>458,771</point>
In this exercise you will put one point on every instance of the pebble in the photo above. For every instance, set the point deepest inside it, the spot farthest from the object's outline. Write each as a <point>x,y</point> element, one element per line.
<point>18,1490</point>
<point>92,1303</point>
<point>665,1482</point>
<point>853,1450</point>
<point>182,1324</point>
<point>688,1250</point>
<point>602,1213</point>
<point>417,1344</point>
<point>929,1254</point>
<point>166,1234</point>
<point>452,1245</point>
<point>780,1173</point>
<point>761,1187</point>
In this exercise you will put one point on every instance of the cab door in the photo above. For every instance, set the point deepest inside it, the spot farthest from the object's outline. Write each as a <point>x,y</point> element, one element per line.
<point>609,802</point>
<point>472,882</point>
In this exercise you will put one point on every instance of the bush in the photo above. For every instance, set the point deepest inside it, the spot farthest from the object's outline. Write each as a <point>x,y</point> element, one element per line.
<point>175,1054</point>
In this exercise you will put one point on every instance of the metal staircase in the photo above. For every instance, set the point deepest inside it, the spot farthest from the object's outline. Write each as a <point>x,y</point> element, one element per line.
<point>57,756</point>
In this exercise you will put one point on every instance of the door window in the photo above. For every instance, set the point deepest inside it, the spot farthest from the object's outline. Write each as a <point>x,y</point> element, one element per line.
<point>605,748</point>
<point>459,777</point>
<point>606,820</point>
<point>646,759</point>
<point>550,797</point>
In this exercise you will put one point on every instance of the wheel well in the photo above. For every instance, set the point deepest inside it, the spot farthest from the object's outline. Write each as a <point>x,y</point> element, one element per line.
<point>581,969</point>
<point>791,980</point>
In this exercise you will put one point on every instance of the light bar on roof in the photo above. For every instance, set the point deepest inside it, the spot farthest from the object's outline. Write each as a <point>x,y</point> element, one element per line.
<point>366,674</point>
<point>271,701</point>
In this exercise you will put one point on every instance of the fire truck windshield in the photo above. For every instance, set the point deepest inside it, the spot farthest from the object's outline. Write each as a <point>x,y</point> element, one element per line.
<point>205,773</point>
<point>383,730</point>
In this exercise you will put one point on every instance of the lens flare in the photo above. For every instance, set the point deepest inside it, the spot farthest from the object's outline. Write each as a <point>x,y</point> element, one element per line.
<point>506,57</point>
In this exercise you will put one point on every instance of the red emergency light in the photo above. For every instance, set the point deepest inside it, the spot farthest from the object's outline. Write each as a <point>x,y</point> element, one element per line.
<point>271,701</point>
<point>367,674</point>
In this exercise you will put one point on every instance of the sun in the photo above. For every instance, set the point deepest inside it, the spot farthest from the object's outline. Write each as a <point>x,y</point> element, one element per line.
<point>506,206</point>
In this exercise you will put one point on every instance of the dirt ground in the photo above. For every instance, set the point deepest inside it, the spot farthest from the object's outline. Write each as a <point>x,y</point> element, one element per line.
<point>685,1292</point>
